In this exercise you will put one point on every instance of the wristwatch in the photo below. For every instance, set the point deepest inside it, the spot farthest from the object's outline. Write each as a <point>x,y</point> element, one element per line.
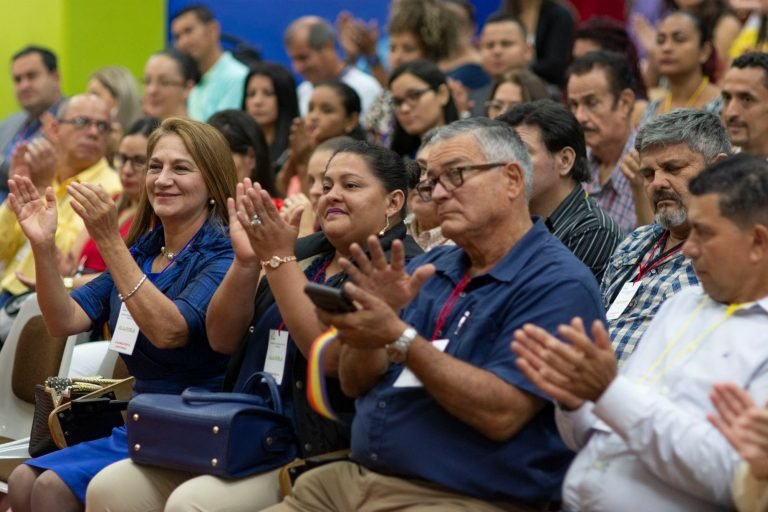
<point>397,351</point>
<point>276,261</point>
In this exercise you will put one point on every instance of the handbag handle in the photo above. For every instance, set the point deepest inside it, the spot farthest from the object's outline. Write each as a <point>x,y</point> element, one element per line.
<point>247,397</point>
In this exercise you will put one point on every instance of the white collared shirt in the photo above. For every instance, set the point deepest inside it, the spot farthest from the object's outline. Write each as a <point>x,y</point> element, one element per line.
<point>646,445</point>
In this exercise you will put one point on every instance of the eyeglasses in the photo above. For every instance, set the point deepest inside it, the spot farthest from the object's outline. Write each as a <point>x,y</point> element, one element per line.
<point>499,106</point>
<point>162,82</point>
<point>412,97</point>
<point>138,162</point>
<point>451,179</point>
<point>80,122</point>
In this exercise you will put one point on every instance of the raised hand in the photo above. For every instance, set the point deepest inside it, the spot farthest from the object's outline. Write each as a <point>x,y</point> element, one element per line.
<point>387,280</point>
<point>99,213</point>
<point>268,234</point>
<point>36,214</point>
<point>744,424</point>
<point>35,160</point>
<point>569,373</point>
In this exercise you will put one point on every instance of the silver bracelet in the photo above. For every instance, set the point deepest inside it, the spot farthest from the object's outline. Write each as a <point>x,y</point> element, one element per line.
<point>135,289</point>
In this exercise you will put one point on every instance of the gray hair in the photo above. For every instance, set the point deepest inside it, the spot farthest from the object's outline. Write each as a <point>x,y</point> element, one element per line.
<point>700,131</point>
<point>498,141</point>
<point>320,32</point>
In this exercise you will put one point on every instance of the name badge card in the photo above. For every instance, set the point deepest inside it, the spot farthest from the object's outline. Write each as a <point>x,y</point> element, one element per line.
<point>126,333</point>
<point>408,379</point>
<point>274,364</point>
<point>623,299</point>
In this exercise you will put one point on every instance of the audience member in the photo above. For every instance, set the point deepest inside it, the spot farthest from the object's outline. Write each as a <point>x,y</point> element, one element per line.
<point>643,437</point>
<point>745,103</point>
<point>75,153</point>
<point>550,27</point>
<point>311,45</point>
<point>248,146</point>
<point>460,394</point>
<point>270,98</point>
<point>180,254</point>
<point>600,86</point>
<point>334,110</point>
<point>169,76</point>
<point>649,266</point>
<point>281,309</point>
<point>555,141</point>
<point>36,83</point>
<point>463,65</point>
<point>683,49</point>
<point>196,32</point>
<point>422,101</point>
<point>513,88</point>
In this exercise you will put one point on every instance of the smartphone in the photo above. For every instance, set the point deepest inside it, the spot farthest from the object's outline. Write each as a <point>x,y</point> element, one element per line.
<point>329,299</point>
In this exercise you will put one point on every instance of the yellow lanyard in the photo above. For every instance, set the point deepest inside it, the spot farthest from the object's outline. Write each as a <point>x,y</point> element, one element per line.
<point>692,100</point>
<point>653,374</point>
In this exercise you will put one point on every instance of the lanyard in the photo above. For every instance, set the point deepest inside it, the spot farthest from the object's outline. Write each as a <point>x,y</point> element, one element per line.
<point>449,304</point>
<point>655,373</point>
<point>652,263</point>
<point>315,278</point>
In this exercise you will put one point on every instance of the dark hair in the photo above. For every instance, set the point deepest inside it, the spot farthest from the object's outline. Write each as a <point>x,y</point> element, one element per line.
<point>402,142</point>
<point>559,129</point>
<point>741,182</point>
<point>614,64</point>
<point>611,35</point>
<point>287,102</point>
<point>434,26</point>
<point>709,68</point>
<point>202,12</point>
<point>187,65</point>
<point>413,171</point>
<point>143,126</point>
<point>709,11</point>
<point>350,100</point>
<point>48,57</point>
<point>531,86</point>
<point>753,60</point>
<point>243,133</point>
<point>388,167</point>
<point>503,17</point>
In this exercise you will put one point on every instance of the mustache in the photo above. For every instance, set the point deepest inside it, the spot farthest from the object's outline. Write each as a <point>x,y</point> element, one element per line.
<point>664,195</point>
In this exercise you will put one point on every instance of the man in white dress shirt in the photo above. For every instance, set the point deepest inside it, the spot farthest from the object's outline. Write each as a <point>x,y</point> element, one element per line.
<point>642,434</point>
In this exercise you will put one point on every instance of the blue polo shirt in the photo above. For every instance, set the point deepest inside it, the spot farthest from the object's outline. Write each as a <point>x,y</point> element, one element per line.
<point>405,432</point>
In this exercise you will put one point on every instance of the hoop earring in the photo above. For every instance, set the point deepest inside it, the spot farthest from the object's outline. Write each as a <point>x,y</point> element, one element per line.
<point>386,225</point>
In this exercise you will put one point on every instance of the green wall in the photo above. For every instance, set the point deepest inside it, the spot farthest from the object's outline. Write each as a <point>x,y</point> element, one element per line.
<point>85,34</point>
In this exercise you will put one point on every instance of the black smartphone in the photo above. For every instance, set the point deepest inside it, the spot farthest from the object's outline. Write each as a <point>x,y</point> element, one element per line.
<point>329,299</point>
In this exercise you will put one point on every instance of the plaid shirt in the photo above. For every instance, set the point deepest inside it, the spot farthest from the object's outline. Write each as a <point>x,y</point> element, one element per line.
<point>615,195</point>
<point>665,280</point>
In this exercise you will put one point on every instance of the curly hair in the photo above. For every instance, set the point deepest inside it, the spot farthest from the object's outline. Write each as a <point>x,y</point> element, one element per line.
<point>436,28</point>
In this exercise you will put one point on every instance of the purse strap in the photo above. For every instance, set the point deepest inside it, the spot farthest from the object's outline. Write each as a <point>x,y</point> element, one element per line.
<point>249,395</point>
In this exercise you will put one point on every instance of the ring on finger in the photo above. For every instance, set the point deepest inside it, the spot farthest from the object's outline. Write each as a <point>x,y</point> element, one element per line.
<point>255,220</point>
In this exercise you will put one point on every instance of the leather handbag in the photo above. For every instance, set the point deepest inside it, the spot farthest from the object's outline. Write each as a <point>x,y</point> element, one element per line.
<point>229,435</point>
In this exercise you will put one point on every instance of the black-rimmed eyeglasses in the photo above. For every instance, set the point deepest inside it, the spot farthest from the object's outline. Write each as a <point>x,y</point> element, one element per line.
<point>451,179</point>
<point>81,122</point>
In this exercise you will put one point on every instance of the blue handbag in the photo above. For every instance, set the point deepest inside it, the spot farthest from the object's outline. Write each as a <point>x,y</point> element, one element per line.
<point>229,435</point>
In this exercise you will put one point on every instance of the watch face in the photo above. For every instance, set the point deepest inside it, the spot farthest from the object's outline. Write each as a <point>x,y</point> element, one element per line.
<point>274,262</point>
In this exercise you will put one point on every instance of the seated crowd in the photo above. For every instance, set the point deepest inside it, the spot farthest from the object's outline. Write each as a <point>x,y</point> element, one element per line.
<point>541,232</point>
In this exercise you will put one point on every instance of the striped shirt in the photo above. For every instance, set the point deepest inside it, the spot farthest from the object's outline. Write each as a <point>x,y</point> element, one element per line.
<point>669,277</point>
<point>584,228</point>
<point>615,195</point>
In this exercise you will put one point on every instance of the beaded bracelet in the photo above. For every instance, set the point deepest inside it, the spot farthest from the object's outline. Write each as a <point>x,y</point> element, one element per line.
<point>135,288</point>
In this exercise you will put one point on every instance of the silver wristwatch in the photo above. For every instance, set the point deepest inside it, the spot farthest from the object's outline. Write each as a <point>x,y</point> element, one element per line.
<point>398,349</point>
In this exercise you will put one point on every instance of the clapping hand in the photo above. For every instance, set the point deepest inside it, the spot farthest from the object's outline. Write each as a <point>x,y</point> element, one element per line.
<point>744,424</point>
<point>571,373</point>
<point>36,214</point>
<point>98,211</point>
<point>388,281</point>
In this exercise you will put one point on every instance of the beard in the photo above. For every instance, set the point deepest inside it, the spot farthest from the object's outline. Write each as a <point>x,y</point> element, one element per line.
<point>669,217</point>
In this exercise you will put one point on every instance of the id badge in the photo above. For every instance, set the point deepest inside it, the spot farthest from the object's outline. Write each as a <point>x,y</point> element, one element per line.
<point>126,333</point>
<point>408,379</point>
<point>622,300</point>
<point>274,364</point>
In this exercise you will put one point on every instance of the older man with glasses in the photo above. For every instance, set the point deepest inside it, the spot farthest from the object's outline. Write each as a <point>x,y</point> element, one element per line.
<point>73,149</point>
<point>444,417</point>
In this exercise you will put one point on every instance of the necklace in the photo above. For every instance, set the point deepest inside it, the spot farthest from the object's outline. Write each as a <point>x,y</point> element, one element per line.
<point>167,254</point>
<point>692,100</point>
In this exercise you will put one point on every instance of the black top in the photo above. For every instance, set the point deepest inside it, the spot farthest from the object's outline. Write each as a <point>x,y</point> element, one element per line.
<point>554,39</point>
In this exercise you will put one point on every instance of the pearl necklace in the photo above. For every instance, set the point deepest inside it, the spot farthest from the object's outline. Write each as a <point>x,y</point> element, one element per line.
<point>167,254</point>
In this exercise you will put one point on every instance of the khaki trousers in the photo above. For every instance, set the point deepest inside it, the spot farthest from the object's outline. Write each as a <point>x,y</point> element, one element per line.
<point>349,487</point>
<point>128,487</point>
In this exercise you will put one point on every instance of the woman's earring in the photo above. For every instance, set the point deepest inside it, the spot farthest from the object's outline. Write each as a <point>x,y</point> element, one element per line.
<point>211,201</point>
<point>386,226</point>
